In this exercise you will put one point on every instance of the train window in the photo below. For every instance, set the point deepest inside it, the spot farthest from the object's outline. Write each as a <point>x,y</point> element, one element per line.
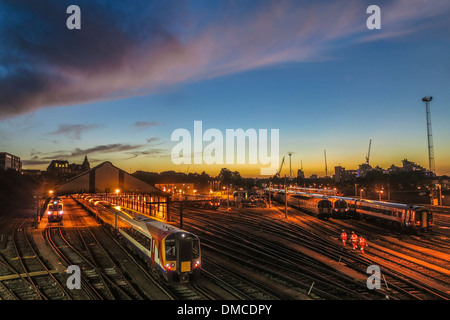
<point>195,249</point>
<point>171,252</point>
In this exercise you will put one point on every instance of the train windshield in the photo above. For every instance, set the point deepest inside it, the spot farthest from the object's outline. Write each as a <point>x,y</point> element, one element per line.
<point>196,249</point>
<point>423,214</point>
<point>171,248</point>
<point>341,204</point>
<point>184,238</point>
<point>55,207</point>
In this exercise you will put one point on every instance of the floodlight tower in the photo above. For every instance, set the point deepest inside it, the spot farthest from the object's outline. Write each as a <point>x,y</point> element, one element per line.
<point>427,101</point>
<point>290,164</point>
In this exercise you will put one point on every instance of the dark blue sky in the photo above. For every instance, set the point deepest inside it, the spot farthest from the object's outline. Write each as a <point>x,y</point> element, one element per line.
<point>118,88</point>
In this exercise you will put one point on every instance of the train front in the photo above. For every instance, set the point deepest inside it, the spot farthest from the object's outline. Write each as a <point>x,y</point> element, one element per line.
<point>182,258</point>
<point>422,219</point>
<point>55,210</point>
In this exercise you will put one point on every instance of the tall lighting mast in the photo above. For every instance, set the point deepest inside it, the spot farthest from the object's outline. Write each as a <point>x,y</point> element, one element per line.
<point>290,164</point>
<point>427,101</point>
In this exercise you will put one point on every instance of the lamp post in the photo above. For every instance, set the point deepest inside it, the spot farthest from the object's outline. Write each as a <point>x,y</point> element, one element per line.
<point>440,194</point>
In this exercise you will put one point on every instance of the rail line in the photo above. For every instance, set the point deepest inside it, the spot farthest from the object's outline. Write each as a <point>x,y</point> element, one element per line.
<point>407,286</point>
<point>268,257</point>
<point>26,276</point>
<point>400,287</point>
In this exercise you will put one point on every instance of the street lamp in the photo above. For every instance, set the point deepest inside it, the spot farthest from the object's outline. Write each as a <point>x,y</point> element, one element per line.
<point>361,193</point>
<point>380,193</point>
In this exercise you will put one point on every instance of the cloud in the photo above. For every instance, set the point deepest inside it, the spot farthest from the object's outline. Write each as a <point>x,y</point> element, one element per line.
<point>149,152</point>
<point>78,152</point>
<point>73,131</point>
<point>133,48</point>
<point>153,139</point>
<point>146,124</point>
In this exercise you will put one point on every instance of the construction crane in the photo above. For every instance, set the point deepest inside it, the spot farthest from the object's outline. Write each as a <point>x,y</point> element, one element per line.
<point>368,153</point>
<point>281,167</point>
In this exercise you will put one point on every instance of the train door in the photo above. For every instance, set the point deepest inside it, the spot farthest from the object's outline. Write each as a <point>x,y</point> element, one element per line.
<point>424,219</point>
<point>427,219</point>
<point>184,255</point>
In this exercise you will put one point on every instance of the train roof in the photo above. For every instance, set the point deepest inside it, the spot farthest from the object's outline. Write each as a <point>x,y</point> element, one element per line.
<point>401,206</point>
<point>148,225</point>
<point>311,195</point>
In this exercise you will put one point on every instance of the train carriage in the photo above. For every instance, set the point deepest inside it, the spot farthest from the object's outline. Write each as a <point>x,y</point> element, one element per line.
<point>318,205</point>
<point>169,251</point>
<point>55,210</point>
<point>405,216</point>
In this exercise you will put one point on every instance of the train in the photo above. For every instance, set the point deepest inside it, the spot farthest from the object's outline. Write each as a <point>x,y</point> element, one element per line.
<point>340,208</point>
<point>404,216</point>
<point>55,210</point>
<point>170,252</point>
<point>316,204</point>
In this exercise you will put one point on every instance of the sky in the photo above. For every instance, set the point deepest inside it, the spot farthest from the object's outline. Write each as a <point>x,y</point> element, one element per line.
<point>116,89</point>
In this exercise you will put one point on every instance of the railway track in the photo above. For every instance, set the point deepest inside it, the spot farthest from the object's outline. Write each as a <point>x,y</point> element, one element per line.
<point>399,286</point>
<point>403,283</point>
<point>276,261</point>
<point>192,291</point>
<point>25,276</point>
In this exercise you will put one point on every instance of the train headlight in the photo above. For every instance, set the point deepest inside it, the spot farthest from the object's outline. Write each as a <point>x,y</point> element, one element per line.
<point>49,212</point>
<point>61,212</point>
<point>197,264</point>
<point>169,266</point>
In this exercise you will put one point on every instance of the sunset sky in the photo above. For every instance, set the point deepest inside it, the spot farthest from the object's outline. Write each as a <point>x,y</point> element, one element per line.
<point>138,70</point>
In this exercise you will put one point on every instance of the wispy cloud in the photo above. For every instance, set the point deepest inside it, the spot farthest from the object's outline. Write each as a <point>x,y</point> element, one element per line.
<point>153,139</point>
<point>127,49</point>
<point>78,152</point>
<point>150,152</point>
<point>146,124</point>
<point>73,131</point>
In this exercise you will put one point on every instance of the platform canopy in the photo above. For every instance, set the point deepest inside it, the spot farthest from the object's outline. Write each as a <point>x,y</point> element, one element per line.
<point>105,178</point>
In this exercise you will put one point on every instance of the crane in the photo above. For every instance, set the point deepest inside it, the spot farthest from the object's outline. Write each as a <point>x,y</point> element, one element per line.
<point>368,153</point>
<point>281,167</point>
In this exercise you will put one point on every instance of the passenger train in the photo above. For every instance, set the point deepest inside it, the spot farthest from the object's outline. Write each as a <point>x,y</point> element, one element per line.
<point>169,251</point>
<point>407,217</point>
<point>340,207</point>
<point>316,204</point>
<point>411,217</point>
<point>55,210</point>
